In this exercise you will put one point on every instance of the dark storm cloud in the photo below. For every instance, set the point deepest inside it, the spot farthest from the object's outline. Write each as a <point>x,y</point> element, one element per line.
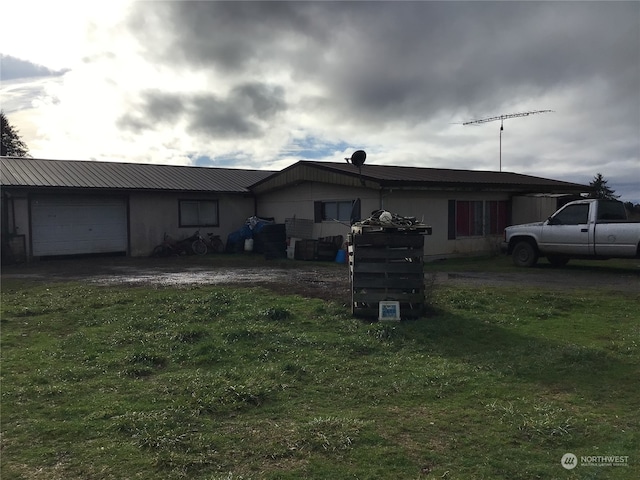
<point>242,112</point>
<point>406,60</point>
<point>230,35</point>
<point>12,68</point>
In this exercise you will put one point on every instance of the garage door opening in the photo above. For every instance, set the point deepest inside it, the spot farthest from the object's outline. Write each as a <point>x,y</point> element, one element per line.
<point>72,226</point>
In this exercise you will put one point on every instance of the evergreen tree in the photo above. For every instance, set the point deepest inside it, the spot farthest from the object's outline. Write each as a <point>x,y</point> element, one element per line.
<point>600,189</point>
<point>12,144</point>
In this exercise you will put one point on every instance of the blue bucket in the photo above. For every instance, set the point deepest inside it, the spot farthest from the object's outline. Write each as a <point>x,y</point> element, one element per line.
<point>341,256</point>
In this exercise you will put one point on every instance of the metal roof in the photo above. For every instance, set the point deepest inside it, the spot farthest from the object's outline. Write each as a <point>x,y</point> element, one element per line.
<point>29,172</point>
<point>391,176</point>
<point>392,173</point>
<point>39,173</point>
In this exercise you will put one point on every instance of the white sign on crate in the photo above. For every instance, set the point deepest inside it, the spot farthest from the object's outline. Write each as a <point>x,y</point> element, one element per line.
<point>389,311</point>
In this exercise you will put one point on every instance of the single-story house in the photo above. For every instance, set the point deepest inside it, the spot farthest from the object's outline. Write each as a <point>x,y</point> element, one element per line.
<point>467,209</point>
<point>58,207</point>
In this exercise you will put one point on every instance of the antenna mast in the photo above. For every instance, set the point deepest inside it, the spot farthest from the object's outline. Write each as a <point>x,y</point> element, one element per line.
<point>502,118</point>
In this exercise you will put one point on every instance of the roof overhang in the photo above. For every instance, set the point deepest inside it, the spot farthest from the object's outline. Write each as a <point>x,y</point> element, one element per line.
<point>350,176</point>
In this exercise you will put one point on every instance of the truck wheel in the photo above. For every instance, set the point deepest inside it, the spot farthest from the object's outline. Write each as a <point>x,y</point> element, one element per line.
<point>524,254</point>
<point>558,260</point>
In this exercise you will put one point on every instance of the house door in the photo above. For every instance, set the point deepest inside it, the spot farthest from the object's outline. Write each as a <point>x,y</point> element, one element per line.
<point>68,225</point>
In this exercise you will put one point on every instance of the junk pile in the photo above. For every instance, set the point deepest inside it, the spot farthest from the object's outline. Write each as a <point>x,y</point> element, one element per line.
<point>260,235</point>
<point>385,220</point>
<point>322,249</point>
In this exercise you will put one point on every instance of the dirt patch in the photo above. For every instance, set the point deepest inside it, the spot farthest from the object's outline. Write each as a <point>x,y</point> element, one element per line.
<point>315,280</point>
<point>328,281</point>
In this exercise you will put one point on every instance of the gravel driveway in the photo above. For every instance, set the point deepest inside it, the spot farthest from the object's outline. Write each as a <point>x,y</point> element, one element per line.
<point>328,281</point>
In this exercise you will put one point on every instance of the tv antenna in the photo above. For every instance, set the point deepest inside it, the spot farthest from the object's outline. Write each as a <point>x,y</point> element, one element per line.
<point>502,118</point>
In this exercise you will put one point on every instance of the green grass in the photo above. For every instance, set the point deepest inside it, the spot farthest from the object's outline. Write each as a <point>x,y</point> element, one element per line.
<point>207,382</point>
<point>504,264</point>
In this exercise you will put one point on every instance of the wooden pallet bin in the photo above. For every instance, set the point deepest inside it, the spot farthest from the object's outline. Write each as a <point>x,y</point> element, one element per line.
<point>386,265</point>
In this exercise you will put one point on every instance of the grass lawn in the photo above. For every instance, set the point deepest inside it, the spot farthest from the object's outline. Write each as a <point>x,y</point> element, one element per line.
<point>210,382</point>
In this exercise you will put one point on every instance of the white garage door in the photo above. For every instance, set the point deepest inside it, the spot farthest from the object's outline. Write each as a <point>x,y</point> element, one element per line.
<point>78,225</point>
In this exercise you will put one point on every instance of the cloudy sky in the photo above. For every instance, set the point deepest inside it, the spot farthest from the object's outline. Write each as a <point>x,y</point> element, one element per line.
<point>264,84</point>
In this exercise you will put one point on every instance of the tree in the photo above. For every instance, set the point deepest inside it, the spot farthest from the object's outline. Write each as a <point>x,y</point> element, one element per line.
<point>633,211</point>
<point>12,144</point>
<point>600,189</point>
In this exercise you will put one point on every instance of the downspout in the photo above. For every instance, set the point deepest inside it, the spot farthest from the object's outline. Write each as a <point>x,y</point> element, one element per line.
<point>382,196</point>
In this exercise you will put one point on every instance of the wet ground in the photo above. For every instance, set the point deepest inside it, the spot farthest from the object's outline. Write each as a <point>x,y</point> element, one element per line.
<point>328,280</point>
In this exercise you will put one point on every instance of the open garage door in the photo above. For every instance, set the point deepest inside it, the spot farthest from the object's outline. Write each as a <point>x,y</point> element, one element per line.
<point>78,225</point>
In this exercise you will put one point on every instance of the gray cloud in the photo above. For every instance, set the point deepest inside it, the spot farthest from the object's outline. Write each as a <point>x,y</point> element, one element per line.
<point>241,113</point>
<point>409,58</point>
<point>12,68</point>
<point>229,35</point>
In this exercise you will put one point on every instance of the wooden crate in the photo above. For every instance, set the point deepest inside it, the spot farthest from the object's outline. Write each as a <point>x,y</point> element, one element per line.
<point>306,250</point>
<point>386,265</point>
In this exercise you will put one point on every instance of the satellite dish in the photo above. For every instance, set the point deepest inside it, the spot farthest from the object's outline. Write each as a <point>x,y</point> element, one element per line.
<point>358,158</point>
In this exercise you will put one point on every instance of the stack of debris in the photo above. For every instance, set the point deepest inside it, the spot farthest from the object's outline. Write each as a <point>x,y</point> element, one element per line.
<point>382,220</point>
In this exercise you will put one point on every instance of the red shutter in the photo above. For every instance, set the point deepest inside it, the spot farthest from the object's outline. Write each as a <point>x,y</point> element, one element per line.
<point>462,218</point>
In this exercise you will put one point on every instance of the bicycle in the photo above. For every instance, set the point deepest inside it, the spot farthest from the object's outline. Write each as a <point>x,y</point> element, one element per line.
<point>195,244</point>
<point>198,245</point>
<point>168,248</point>
<point>214,243</point>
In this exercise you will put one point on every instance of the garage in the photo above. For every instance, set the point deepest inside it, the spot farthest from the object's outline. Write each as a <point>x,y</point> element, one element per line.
<point>72,225</point>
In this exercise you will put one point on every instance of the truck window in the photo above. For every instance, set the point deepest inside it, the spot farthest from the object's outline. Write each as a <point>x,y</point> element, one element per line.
<point>573,215</point>
<point>608,210</point>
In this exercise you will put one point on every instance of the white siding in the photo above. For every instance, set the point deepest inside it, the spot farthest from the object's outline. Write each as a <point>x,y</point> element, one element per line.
<point>529,209</point>
<point>298,201</point>
<point>428,206</point>
<point>153,214</point>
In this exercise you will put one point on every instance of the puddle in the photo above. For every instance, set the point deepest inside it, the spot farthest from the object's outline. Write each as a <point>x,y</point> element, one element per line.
<point>192,277</point>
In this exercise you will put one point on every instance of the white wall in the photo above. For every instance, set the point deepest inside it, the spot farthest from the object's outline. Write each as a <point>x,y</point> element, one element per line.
<point>298,201</point>
<point>429,206</point>
<point>432,207</point>
<point>153,214</point>
<point>529,209</point>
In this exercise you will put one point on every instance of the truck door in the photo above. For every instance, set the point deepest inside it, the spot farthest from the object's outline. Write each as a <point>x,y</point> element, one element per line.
<point>568,231</point>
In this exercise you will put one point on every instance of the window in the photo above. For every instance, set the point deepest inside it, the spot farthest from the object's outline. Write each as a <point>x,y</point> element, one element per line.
<point>334,210</point>
<point>573,215</point>
<point>468,218</point>
<point>611,210</point>
<point>198,213</point>
<point>475,218</point>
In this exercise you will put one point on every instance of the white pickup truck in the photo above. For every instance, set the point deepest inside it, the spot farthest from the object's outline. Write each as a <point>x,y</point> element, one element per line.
<point>590,228</point>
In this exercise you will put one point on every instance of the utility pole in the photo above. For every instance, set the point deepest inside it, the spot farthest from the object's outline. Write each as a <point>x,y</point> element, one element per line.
<point>502,119</point>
